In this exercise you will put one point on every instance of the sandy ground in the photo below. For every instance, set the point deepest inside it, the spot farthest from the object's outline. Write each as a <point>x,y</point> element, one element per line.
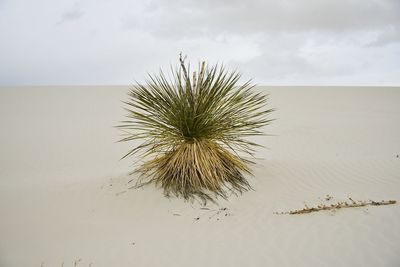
<point>65,197</point>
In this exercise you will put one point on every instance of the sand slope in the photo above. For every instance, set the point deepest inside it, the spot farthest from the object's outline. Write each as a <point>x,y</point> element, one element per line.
<point>64,195</point>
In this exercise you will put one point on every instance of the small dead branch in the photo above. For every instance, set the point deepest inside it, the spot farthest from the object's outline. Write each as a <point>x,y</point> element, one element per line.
<point>338,205</point>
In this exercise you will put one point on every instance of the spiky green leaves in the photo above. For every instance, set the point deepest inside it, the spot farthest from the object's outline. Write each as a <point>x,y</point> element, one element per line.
<point>194,128</point>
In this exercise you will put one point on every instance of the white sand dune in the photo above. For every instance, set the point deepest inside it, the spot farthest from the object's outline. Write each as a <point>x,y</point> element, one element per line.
<point>64,193</point>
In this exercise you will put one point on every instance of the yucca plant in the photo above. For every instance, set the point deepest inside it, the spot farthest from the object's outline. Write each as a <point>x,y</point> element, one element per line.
<point>194,128</point>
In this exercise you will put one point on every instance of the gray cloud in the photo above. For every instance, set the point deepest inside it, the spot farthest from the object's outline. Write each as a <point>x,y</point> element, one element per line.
<point>193,18</point>
<point>292,41</point>
<point>276,42</point>
<point>387,36</point>
<point>74,13</point>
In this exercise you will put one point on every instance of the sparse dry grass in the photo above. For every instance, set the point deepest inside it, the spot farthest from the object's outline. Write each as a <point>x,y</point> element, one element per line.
<point>194,129</point>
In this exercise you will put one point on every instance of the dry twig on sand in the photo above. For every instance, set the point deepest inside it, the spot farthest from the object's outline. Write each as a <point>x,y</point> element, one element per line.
<point>338,205</point>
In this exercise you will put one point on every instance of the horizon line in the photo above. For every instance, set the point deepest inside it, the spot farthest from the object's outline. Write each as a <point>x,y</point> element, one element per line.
<point>256,85</point>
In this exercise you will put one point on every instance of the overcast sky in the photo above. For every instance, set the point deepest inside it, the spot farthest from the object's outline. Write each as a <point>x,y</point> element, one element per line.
<point>281,42</point>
